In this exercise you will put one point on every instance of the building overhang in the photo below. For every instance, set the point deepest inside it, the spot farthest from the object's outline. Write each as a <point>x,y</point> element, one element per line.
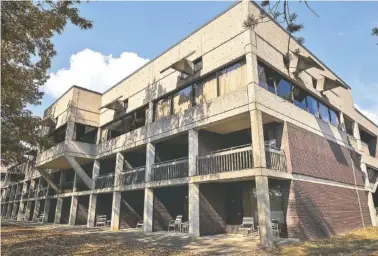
<point>306,62</point>
<point>183,65</point>
<point>115,105</point>
<point>326,83</point>
<point>48,121</point>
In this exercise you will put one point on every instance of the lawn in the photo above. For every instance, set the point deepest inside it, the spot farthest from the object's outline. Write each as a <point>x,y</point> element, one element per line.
<point>30,240</point>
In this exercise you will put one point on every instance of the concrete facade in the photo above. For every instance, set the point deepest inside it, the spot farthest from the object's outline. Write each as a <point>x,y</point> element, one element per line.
<point>274,157</point>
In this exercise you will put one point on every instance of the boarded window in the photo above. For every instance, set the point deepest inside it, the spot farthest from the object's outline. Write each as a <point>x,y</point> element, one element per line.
<point>232,78</point>
<point>182,100</point>
<point>162,108</point>
<point>206,90</point>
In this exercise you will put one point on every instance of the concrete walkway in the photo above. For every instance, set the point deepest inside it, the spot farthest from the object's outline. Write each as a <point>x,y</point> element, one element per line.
<point>209,245</point>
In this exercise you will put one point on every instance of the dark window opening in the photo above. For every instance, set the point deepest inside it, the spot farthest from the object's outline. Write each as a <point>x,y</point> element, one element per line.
<point>127,123</point>
<point>197,64</point>
<point>299,96</point>
<point>314,82</point>
<point>85,133</point>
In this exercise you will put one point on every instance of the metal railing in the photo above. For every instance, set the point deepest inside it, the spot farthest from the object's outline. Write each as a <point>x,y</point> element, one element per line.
<point>67,186</point>
<point>174,169</point>
<point>225,160</point>
<point>133,176</point>
<point>104,181</point>
<point>275,159</point>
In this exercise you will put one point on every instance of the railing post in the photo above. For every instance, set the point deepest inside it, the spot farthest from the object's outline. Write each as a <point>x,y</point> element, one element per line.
<point>193,151</point>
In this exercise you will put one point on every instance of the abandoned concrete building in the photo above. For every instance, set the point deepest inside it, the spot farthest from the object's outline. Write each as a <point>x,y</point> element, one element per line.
<point>224,125</point>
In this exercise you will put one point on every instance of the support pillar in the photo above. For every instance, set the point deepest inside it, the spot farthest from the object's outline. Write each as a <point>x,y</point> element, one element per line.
<point>372,210</point>
<point>70,131</point>
<point>20,210</point>
<point>258,147</point>
<point>46,211</point>
<point>73,211</point>
<point>49,180</point>
<point>116,210</point>
<point>9,210</point>
<point>193,151</point>
<point>37,205</point>
<point>150,160</point>
<point>356,134</point>
<point>93,197</point>
<point>58,210</point>
<point>80,172</point>
<point>148,210</point>
<point>14,210</point>
<point>194,211</point>
<point>264,212</point>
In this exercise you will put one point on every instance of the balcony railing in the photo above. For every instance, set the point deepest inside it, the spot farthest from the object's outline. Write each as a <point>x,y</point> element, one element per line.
<point>174,169</point>
<point>275,159</point>
<point>67,186</point>
<point>133,176</point>
<point>104,181</point>
<point>225,160</point>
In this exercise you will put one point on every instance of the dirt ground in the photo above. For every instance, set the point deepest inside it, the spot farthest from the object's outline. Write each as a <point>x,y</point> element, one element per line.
<point>17,239</point>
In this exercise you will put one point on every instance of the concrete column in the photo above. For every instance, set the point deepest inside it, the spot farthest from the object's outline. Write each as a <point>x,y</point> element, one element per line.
<point>93,197</point>
<point>37,205</point>
<point>9,210</point>
<point>73,211</point>
<point>116,210</point>
<point>264,213</point>
<point>118,169</point>
<point>150,116</point>
<point>150,160</point>
<point>14,210</point>
<point>20,210</point>
<point>74,189</point>
<point>28,210</point>
<point>193,151</point>
<point>258,147</point>
<point>285,146</point>
<point>373,212</point>
<point>70,132</point>
<point>58,210</point>
<point>148,209</point>
<point>46,211</point>
<point>194,211</point>
<point>342,122</point>
<point>356,134</point>
<point>98,138</point>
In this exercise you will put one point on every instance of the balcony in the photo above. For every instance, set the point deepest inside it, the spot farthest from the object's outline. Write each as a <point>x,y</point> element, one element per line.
<point>104,181</point>
<point>133,176</point>
<point>173,169</point>
<point>275,159</point>
<point>225,160</point>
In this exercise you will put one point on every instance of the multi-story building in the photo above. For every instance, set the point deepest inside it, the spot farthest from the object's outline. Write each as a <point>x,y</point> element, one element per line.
<point>223,125</point>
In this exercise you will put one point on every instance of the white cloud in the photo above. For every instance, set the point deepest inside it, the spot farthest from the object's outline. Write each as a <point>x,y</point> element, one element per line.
<point>372,113</point>
<point>92,70</point>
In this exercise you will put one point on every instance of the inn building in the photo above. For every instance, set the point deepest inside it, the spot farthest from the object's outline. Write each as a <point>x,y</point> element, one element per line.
<point>226,124</point>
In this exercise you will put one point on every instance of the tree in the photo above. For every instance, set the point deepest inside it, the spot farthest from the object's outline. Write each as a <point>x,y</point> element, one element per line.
<point>374,32</point>
<point>26,53</point>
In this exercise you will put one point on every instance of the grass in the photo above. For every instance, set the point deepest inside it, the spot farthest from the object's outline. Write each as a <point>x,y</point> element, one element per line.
<point>28,240</point>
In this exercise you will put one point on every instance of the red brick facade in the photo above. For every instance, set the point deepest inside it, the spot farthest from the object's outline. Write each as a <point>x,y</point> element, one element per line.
<point>316,210</point>
<point>316,156</point>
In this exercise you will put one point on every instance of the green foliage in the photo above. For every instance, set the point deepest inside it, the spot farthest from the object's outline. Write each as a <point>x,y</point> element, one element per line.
<point>26,53</point>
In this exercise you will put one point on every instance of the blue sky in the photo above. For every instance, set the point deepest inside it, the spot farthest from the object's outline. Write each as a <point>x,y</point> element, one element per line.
<point>128,34</point>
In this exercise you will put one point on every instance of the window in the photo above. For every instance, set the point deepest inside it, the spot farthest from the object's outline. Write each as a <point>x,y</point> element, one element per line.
<point>299,98</point>
<point>312,106</point>
<point>334,117</point>
<point>85,133</point>
<point>324,112</point>
<point>231,78</point>
<point>182,100</point>
<point>284,89</point>
<point>266,79</point>
<point>125,104</point>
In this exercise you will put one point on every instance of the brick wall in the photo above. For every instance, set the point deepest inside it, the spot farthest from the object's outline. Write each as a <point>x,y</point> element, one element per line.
<point>316,210</point>
<point>316,156</point>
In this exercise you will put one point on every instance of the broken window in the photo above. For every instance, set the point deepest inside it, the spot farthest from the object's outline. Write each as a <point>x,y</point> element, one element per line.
<point>85,133</point>
<point>266,78</point>
<point>182,100</point>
